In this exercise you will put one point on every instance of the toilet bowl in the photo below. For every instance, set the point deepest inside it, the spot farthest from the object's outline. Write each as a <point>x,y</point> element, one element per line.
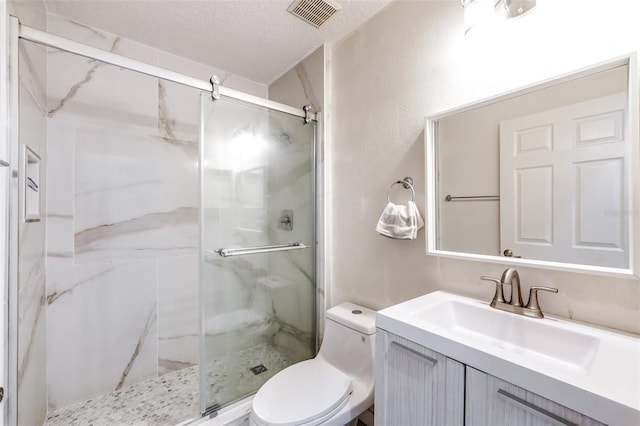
<point>333,388</point>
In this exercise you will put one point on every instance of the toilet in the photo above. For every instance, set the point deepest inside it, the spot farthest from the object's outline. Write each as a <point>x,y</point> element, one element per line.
<point>333,388</point>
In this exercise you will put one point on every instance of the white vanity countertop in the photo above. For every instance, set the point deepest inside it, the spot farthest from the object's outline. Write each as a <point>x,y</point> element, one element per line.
<point>599,378</point>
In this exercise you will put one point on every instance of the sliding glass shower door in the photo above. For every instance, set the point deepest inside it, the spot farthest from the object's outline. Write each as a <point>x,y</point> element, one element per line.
<point>257,268</point>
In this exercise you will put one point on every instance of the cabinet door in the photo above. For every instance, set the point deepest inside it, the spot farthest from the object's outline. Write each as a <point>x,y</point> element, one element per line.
<point>491,401</point>
<point>416,386</point>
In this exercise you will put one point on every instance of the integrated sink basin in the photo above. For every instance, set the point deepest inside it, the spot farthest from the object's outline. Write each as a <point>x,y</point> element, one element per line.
<point>591,370</point>
<point>549,340</point>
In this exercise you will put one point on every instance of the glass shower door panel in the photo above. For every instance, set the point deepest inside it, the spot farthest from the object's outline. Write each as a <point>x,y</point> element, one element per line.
<point>257,249</point>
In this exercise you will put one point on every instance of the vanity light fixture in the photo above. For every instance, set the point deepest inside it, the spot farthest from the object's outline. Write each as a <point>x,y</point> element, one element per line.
<point>482,12</point>
<point>477,13</point>
<point>513,8</point>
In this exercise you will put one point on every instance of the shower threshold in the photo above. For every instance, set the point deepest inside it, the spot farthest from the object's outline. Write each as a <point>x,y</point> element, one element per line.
<point>172,398</point>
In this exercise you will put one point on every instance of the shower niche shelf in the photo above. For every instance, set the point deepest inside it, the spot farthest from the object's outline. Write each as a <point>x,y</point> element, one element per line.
<point>31,185</point>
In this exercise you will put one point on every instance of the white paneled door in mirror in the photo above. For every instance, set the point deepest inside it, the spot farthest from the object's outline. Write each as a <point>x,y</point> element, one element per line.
<point>545,176</point>
<point>562,187</point>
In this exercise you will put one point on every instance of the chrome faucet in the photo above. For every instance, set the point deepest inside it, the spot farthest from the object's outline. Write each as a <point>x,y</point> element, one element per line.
<point>511,277</point>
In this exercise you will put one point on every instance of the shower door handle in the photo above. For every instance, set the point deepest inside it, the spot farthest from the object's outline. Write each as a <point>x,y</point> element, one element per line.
<point>228,252</point>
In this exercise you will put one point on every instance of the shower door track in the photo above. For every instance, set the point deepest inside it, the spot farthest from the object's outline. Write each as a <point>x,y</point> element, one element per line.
<point>50,40</point>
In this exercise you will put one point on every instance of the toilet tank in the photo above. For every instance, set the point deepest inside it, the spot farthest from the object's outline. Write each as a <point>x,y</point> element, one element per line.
<point>349,338</point>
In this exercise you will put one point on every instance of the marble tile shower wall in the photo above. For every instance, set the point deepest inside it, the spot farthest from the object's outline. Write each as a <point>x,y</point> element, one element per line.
<point>122,222</point>
<point>293,292</point>
<point>302,85</point>
<point>31,408</point>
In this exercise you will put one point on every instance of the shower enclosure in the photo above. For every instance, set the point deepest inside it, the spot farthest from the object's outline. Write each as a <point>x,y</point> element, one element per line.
<point>146,224</point>
<point>257,215</point>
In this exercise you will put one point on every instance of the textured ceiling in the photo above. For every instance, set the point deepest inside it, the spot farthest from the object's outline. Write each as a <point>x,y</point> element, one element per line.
<point>256,39</point>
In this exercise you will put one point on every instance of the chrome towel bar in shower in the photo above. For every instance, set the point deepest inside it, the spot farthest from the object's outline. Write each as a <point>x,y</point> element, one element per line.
<point>228,252</point>
<point>473,198</point>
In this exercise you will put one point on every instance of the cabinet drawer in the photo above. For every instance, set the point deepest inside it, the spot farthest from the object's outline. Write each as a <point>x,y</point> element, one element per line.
<point>491,401</point>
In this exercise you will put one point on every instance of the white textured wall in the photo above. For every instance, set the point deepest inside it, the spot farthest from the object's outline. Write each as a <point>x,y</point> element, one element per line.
<point>411,61</point>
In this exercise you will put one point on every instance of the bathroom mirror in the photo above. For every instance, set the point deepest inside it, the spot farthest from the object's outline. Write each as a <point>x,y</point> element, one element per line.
<point>547,175</point>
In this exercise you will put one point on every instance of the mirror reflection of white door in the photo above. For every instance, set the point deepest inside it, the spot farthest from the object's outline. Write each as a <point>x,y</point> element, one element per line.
<point>563,184</point>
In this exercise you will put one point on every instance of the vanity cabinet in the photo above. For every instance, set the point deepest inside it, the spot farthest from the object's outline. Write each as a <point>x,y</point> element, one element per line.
<point>415,385</point>
<point>491,401</point>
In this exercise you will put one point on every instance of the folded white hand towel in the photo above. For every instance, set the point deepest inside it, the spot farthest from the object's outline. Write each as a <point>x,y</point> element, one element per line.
<point>400,222</point>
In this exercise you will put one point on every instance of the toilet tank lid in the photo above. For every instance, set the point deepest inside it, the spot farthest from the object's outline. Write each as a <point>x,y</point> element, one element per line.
<point>354,316</point>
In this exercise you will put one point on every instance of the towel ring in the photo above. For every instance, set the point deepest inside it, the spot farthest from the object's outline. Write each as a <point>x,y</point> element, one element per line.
<point>407,183</point>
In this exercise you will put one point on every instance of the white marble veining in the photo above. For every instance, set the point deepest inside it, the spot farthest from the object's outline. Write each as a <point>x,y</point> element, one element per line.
<point>178,313</point>
<point>122,217</point>
<point>31,59</point>
<point>60,194</point>
<point>173,398</point>
<point>97,92</point>
<point>133,194</point>
<point>31,375</point>
<point>302,85</point>
<point>179,106</point>
<point>102,329</point>
<point>117,177</point>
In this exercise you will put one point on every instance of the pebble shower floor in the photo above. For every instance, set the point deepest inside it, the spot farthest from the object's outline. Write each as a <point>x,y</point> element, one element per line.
<point>170,399</point>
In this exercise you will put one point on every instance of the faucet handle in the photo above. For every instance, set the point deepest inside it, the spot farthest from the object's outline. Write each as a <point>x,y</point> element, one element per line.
<point>499,296</point>
<point>533,298</point>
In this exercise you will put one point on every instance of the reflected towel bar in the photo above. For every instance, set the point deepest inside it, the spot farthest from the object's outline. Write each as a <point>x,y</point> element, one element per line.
<point>228,252</point>
<point>474,198</point>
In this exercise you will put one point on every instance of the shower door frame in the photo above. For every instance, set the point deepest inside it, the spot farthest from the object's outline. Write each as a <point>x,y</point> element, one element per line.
<point>10,121</point>
<point>61,43</point>
<point>9,114</point>
<point>4,210</point>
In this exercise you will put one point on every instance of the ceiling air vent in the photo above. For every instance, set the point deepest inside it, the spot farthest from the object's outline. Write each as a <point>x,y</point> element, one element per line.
<point>315,12</point>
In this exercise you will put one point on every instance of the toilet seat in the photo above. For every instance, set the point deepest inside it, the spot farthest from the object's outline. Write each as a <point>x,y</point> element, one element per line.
<point>280,401</point>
